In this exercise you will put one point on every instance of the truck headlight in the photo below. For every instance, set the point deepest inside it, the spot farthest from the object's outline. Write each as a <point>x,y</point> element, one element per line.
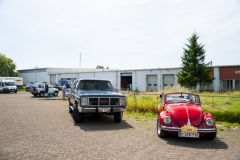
<point>167,120</point>
<point>84,101</point>
<point>122,101</point>
<point>209,122</point>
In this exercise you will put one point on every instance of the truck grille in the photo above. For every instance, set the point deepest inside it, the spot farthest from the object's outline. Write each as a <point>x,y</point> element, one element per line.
<point>104,101</point>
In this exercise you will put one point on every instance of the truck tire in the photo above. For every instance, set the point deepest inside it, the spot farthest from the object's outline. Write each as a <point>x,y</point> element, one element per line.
<point>15,91</point>
<point>77,117</point>
<point>70,110</point>
<point>55,93</point>
<point>41,94</point>
<point>118,116</point>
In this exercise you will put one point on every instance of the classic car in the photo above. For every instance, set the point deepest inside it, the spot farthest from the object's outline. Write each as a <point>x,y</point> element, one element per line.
<point>95,96</point>
<point>181,114</point>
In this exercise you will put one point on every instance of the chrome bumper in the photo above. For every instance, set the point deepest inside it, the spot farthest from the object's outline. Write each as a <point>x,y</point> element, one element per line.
<point>177,129</point>
<point>101,109</point>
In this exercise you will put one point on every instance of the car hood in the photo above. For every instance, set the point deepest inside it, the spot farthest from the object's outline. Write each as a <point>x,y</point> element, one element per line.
<point>100,94</point>
<point>186,113</point>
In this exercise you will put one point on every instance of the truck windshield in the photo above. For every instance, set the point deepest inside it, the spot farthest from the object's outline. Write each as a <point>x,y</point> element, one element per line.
<point>9,83</point>
<point>95,85</point>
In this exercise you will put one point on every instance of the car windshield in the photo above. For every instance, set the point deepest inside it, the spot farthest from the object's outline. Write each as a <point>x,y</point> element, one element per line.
<point>182,98</point>
<point>9,83</point>
<point>95,85</point>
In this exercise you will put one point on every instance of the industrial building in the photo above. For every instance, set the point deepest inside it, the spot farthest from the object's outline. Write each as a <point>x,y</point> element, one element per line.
<point>226,77</point>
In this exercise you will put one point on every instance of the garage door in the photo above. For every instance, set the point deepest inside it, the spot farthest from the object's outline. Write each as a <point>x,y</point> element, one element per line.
<point>152,82</point>
<point>168,80</point>
<point>53,78</point>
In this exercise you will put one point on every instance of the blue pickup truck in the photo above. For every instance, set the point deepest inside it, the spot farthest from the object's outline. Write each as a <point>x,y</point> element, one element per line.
<point>95,96</point>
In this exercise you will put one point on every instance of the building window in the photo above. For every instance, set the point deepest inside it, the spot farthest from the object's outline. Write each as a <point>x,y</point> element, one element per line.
<point>226,84</point>
<point>237,84</point>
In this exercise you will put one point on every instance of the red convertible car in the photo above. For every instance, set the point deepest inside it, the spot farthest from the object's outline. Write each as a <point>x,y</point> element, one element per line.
<point>182,114</point>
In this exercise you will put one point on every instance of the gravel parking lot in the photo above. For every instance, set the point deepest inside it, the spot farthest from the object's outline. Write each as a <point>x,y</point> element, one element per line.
<point>41,128</point>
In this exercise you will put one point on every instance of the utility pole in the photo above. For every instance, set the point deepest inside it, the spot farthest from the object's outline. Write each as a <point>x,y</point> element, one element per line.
<point>80,61</point>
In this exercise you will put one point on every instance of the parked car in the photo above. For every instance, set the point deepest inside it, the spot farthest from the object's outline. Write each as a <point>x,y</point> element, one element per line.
<point>28,86</point>
<point>67,83</point>
<point>7,86</point>
<point>95,96</point>
<point>38,89</point>
<point>57,85</point>
<point>182,114</point>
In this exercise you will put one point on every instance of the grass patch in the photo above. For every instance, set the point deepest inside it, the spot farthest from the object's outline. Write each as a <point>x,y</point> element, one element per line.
<point>224,106</point>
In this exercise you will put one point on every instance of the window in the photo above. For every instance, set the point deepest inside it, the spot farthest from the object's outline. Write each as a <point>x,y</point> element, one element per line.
<point>226,84</point>
<point>237,84</point>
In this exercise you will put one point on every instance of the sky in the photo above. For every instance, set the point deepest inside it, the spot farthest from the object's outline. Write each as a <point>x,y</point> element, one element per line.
<point>119,34</point>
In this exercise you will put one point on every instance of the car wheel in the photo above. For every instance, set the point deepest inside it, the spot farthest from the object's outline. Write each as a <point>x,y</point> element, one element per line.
<point>41,94</point>
<point>161,133</point>
<point>70,110</point>
<point>118,116</point>
<point>35,95</point>
<point>55,93</point>
<point>15,91</point>
<point>77,117</point>
<point>211,136</point>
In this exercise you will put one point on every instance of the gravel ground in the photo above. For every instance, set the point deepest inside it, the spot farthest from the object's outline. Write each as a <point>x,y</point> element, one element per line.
<point>41,128</point>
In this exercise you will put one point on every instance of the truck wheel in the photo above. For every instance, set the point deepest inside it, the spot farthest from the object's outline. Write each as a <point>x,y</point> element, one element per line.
<point>118,116</point>
<point>77,117</point>
<point>41,94</point>
<point>161,133</point>
<point>55,93</point>
<point>70,110</point>
<point>15,91</point>
<point>35,95</point>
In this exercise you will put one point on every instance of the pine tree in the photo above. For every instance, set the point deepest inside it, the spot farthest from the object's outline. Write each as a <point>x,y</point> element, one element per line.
<point>194,70</point>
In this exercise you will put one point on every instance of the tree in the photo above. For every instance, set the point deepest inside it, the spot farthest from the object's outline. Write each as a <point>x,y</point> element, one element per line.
<point>7,67</point>
<point>101,67</point>
<point>194,70</point>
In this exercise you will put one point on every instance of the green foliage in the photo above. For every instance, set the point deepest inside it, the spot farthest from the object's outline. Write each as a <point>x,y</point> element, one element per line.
<point>101,67</point>
<point>7,67</point>
<point>194,70</point>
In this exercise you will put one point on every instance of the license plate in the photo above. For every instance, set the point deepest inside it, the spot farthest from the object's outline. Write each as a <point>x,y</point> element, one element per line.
<point>190,135</point>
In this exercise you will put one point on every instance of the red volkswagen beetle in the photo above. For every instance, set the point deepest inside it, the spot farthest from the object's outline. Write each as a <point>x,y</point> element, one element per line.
<point>181,113</point>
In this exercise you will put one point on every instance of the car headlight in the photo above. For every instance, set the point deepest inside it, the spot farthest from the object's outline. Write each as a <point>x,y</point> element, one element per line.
<point>209,122</point>
<point>167,120</point>
<point>84,101</point>
<point>122,101</point>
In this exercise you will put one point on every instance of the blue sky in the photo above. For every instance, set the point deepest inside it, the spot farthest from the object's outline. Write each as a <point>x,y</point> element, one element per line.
<point>120,34</point>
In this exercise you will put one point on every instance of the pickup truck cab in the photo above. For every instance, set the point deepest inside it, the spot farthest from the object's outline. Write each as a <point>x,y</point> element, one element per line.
<point>95,96</point>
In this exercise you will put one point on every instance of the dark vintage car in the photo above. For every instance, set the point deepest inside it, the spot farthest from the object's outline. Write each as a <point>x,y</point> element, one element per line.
<point>95,96</point>
<point>182,114</point>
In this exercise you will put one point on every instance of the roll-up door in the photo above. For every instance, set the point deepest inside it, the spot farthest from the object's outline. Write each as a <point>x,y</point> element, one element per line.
<point>53,78</point>
<point>151,82</point>
<point>168,80</point>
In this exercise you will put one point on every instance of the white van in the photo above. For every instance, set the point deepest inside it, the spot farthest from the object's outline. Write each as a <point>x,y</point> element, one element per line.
<point>7,86</point>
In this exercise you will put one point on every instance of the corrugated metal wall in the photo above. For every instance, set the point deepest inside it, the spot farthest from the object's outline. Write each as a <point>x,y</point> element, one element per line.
<point>230,72</point>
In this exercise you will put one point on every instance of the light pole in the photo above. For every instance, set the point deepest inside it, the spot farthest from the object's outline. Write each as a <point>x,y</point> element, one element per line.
<point>36,74</point>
